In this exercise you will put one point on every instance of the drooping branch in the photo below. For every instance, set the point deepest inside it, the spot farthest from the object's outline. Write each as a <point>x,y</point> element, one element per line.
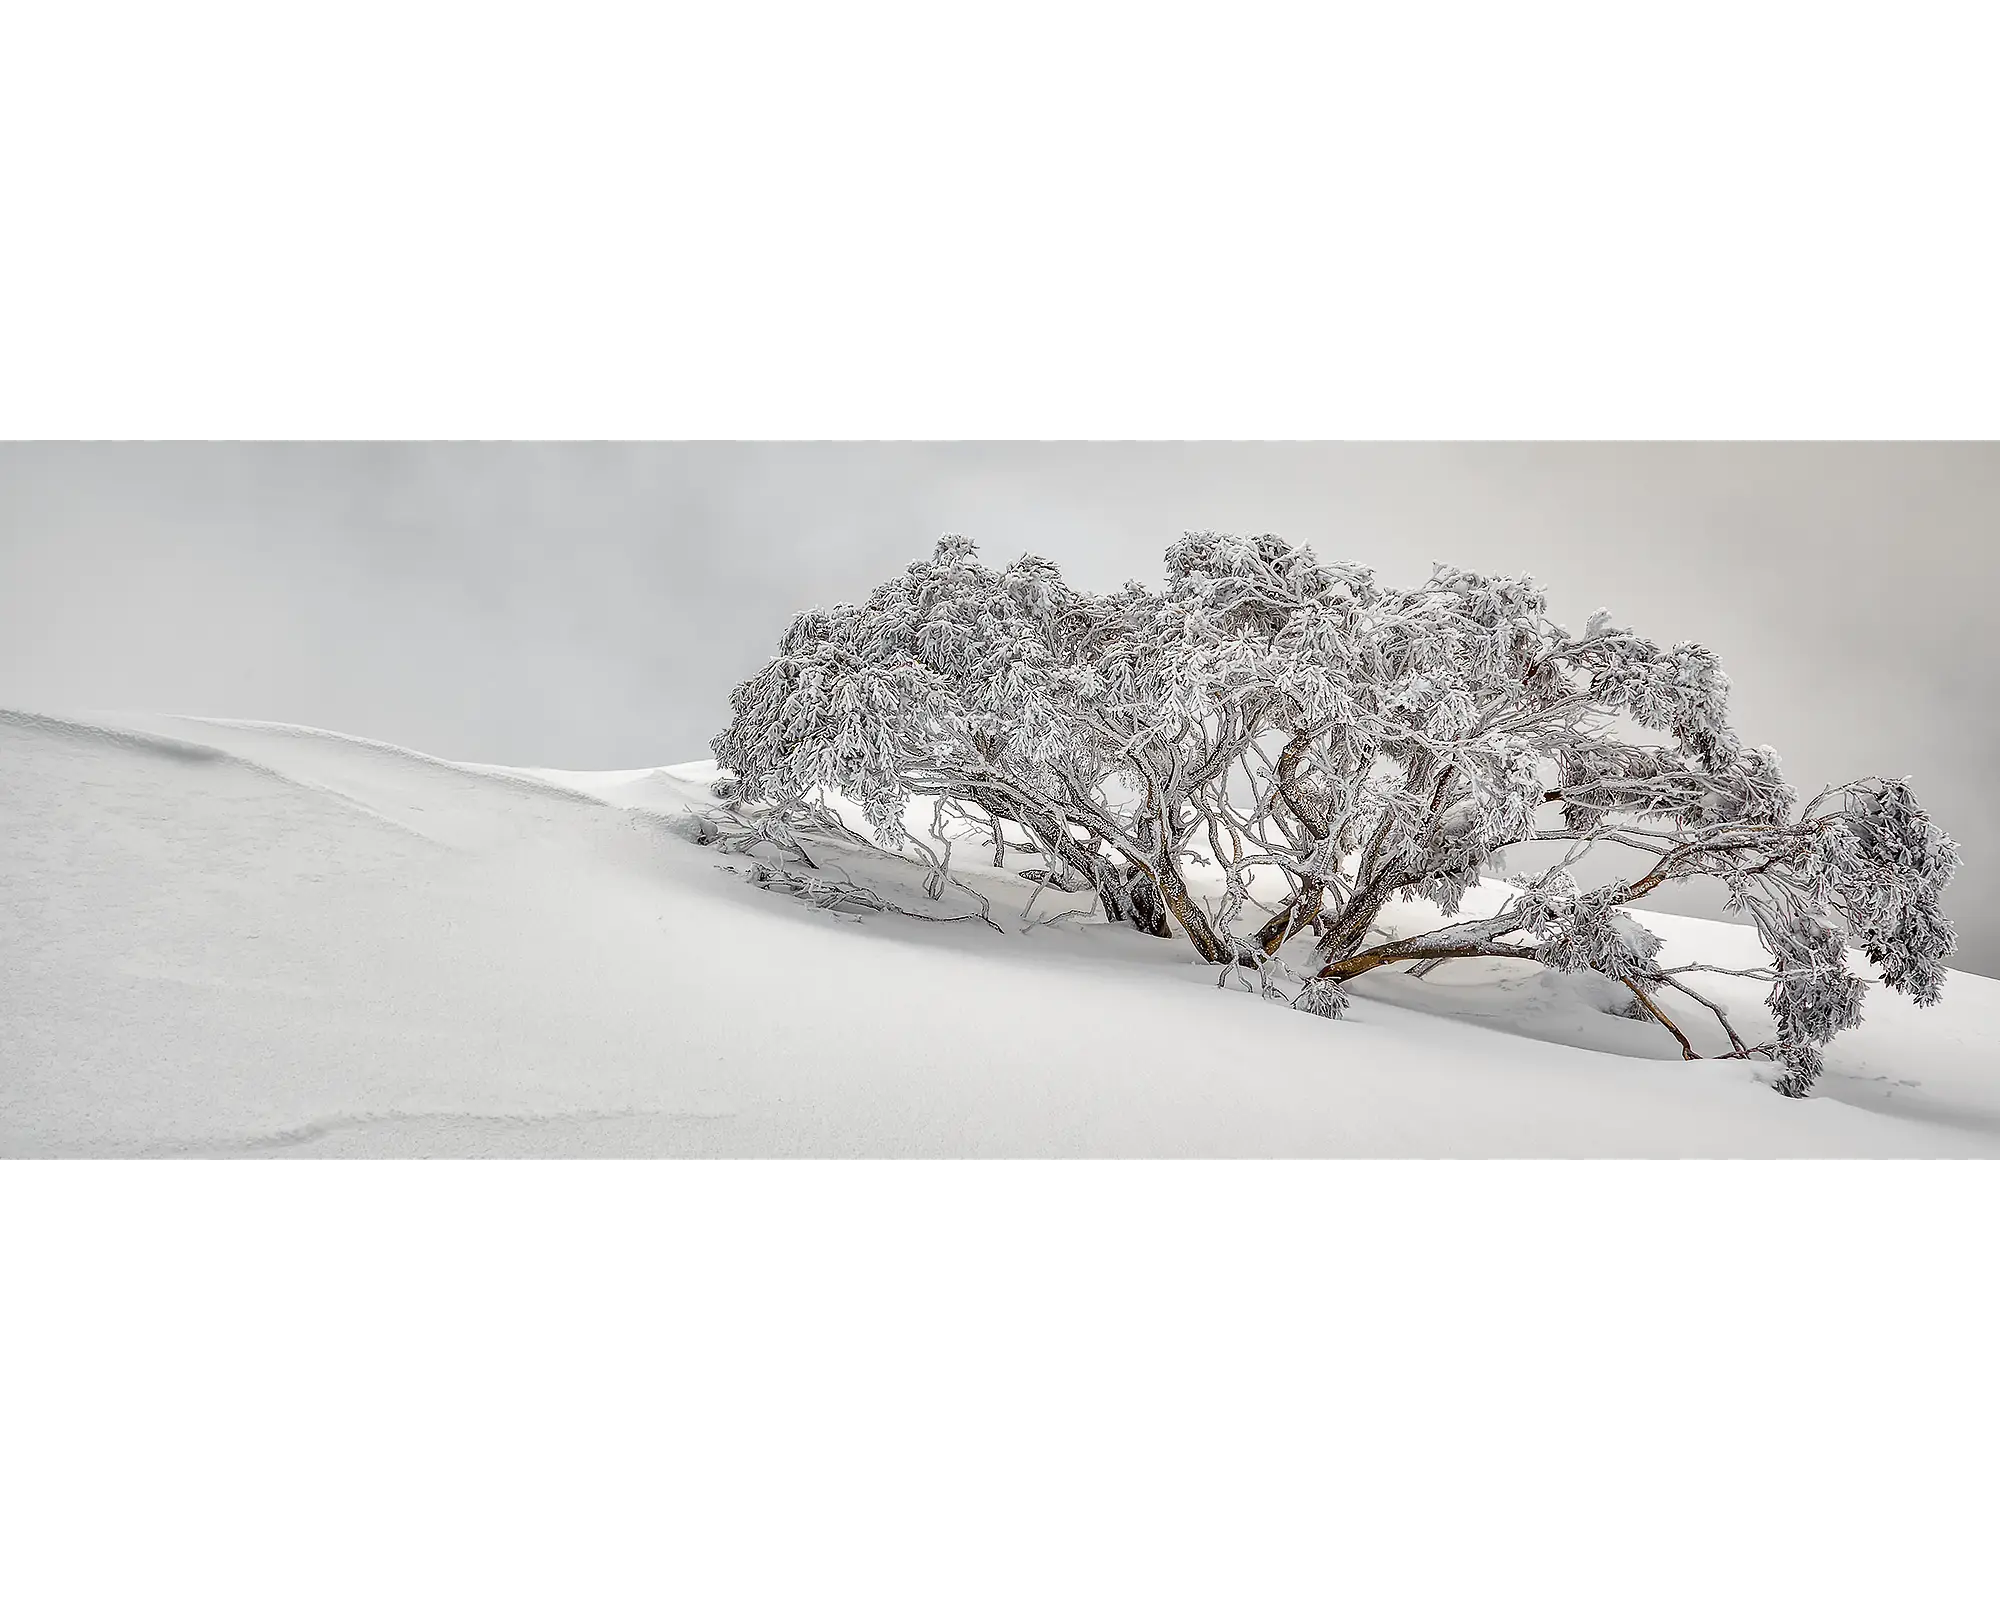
<point>1646,1003</point>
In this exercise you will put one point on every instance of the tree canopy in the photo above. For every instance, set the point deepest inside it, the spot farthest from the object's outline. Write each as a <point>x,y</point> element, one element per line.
<point>1332,742</point>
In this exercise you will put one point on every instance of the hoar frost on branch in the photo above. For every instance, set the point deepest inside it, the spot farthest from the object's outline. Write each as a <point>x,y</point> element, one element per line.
<point>1300,723</point>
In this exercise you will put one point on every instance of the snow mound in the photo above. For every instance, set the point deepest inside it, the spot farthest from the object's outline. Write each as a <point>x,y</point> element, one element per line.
<point>252,938</point>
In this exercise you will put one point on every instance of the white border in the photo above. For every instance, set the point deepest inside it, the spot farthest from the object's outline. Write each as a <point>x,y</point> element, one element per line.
<point>1076,221</point>
<point>1743,220</point>
<point>998,1378</point>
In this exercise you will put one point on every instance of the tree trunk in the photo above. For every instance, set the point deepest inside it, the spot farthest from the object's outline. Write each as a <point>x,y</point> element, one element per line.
<point>1368,960</point>
<point>1173,892</point>
<point>1301,910</point>
<point>1149,913</point>
<point>1294,916</point>
<point>1344,937</point>
<point>1060,846</point>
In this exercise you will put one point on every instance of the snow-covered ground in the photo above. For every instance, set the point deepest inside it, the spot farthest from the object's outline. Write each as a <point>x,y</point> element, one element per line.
<point>227,938</point>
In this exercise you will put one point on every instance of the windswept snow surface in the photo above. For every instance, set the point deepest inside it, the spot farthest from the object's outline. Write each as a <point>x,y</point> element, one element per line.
<point>229,938</point>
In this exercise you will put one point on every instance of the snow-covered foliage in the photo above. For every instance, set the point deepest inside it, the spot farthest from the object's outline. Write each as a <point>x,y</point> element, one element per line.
<point>1307,729</point>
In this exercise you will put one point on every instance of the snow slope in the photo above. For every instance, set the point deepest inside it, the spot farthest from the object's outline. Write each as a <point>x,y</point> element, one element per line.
<point>225,938</point>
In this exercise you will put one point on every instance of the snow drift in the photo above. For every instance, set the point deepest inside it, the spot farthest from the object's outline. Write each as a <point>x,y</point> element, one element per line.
<point>226,938</point>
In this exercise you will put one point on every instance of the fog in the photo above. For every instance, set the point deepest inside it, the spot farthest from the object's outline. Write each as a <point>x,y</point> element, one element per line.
<point>592,605</point>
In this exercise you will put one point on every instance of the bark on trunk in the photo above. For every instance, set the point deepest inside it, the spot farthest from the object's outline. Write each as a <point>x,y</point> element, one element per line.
<point>1300,911</point>
<point>1059,845</point>
<point>1368,960</point>
<point>1173,891</point>
<point>1294,916</point>
<point>1346,934</point>
<point>1149,913</point>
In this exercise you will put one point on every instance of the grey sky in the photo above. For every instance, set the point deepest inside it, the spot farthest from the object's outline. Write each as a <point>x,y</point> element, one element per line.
<point>592,605</point>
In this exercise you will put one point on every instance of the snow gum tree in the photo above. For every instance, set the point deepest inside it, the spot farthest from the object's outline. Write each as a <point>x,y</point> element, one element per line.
<point>1333,743</point>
